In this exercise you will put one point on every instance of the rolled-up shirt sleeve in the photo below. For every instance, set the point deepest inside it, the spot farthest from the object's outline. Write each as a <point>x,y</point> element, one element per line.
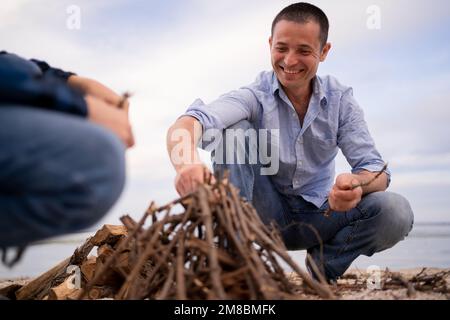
<point>226,111</point>
<point>354,138</point>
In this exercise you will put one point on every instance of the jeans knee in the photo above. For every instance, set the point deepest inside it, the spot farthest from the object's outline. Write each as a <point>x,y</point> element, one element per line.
<point>398,211</point>
<point>111,163</point>
<point>394,218</point>
<point>113,160</point>
<point>100,181</point>
<point>404,213</point>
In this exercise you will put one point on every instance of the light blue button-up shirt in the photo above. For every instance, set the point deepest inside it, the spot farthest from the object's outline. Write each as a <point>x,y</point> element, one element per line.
<point>307,153</point>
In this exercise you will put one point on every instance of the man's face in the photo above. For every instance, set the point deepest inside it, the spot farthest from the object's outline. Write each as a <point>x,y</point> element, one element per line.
<point>296,52</point>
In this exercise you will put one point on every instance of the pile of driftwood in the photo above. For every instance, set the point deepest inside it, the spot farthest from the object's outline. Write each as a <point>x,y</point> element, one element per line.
<point>217,248</point>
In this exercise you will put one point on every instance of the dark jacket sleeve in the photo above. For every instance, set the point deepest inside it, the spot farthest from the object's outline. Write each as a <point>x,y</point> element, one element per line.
<point>49,71</point>
<point>36,84</point>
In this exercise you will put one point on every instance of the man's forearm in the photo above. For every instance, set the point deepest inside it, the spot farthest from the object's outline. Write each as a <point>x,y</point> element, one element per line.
<point>182,141</point>
<point>94,88</point>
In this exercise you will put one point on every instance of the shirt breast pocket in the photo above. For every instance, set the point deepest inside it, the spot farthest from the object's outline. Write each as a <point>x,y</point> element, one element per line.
<point>321,148</point>
<point>324,140</point>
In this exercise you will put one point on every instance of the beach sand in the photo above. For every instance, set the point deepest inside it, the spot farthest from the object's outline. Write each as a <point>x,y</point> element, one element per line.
<point>354,285</point>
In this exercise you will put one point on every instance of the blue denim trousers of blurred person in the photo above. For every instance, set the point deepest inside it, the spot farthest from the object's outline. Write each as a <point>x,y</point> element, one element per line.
<point>58,174</point>
<point>379,221</point>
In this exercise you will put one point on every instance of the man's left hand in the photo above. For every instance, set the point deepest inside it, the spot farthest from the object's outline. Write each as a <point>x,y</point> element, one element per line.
<point>343,196</point>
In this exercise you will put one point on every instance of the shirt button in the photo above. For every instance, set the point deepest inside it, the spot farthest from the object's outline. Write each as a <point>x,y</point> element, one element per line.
<point>300,163</point>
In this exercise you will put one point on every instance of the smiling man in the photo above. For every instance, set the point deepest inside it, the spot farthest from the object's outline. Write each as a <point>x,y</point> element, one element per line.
<point>314,117</point>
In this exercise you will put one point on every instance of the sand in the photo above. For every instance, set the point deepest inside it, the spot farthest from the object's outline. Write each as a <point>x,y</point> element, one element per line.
<point>354,285</point>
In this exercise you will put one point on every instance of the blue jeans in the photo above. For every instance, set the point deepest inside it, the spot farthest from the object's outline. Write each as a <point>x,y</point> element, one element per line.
<point>378,222</point>
<point>58,174</point>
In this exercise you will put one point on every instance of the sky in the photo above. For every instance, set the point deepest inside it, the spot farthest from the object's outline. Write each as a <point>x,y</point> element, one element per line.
<point>171,52</point>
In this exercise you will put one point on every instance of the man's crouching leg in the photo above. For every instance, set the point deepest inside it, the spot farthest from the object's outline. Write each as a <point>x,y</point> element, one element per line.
<point>59,174</point>
<point>380,221</point>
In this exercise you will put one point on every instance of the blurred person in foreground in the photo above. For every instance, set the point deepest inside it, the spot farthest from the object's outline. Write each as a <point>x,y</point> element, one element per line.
<point>62,158</point>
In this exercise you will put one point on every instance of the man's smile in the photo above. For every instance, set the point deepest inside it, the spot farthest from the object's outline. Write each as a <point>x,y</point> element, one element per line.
<point>292,71</point>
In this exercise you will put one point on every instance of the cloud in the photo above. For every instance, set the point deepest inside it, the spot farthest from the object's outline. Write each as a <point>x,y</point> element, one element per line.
<point>424,179</point>
<point>441,160</point>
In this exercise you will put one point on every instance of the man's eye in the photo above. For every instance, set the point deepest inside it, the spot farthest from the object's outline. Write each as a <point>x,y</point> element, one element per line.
<point>305,52</point>
<point>281,49</point>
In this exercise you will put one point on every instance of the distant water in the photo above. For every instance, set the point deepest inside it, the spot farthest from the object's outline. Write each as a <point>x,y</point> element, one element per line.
<point>427,245</point>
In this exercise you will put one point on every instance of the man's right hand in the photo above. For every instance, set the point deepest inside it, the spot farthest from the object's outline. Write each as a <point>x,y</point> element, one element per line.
<point>113,119</point>
<point>190,176</point>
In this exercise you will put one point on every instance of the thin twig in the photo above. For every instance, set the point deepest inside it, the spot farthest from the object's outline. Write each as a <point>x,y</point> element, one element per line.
<point>329,210</point>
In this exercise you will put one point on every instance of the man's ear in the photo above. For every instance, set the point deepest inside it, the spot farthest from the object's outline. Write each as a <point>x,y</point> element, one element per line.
<point>270,41</point>
<point>325,51</point>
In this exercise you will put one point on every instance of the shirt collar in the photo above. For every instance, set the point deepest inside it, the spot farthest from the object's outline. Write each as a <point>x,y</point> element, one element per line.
<point>275,84</point>
<point>318,90</point>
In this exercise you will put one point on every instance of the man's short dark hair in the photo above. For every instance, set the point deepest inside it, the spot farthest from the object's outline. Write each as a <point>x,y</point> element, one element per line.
<point>303,12</point>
